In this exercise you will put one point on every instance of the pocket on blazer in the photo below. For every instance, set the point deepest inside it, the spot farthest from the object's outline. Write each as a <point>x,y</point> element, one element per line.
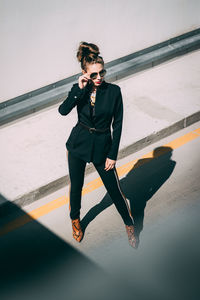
<point>108,141</point>
<point>108,137</point>
<point>73,135</point>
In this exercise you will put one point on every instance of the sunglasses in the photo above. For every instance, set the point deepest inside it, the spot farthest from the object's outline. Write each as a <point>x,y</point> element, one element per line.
<point>95,74</point>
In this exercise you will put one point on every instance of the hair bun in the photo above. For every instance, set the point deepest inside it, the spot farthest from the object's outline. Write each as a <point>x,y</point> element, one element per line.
<point>88,53</point>
<point>87,50</point>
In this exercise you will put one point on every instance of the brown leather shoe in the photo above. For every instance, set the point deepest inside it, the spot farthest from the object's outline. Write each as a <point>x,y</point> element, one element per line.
<point>131,236</point>
<point>77,230</point>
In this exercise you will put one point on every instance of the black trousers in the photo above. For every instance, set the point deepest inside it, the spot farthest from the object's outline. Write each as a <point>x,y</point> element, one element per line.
<point>111,182</point>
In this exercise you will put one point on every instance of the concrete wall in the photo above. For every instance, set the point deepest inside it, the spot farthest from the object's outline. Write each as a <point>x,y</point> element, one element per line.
<point>39,38</point>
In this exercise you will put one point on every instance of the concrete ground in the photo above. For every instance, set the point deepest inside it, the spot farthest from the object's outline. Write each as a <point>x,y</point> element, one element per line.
<point>40,259</point>
<point>33,150</point>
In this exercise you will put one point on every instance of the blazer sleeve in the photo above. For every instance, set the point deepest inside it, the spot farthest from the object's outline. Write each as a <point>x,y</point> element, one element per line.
<point>117,127</point>
<point>74,95</point>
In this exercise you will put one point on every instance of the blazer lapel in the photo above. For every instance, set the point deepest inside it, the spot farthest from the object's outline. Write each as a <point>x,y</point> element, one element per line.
<point>101,90</point>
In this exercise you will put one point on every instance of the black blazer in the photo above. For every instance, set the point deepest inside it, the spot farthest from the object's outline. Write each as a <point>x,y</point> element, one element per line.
<point>95,146</point>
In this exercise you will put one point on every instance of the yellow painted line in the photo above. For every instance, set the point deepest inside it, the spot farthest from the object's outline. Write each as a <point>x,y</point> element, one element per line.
<point>197,130</point>
<point>96,183</point>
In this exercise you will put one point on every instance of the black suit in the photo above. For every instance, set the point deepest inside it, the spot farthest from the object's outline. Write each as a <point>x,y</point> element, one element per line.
<point>85,146</point>
<point>95,146</point>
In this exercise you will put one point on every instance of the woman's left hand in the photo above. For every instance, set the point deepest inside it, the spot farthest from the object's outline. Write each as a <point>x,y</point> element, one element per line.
<point>110,163</point>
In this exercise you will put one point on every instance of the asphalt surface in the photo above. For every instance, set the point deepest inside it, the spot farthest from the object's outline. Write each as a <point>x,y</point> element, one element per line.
<point>41,260</point>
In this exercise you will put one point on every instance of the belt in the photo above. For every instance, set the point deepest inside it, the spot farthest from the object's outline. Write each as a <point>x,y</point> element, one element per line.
<point>93,129</point>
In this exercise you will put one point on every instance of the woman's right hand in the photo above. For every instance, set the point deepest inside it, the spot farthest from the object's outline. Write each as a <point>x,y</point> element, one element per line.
<point>83,80</point>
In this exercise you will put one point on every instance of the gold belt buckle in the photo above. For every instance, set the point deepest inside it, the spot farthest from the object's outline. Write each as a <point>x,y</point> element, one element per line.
<point>91,128</point>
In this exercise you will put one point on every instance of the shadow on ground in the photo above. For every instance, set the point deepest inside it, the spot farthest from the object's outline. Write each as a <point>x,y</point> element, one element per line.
<point>37,264</point>
<point>167,264</point>
<point>139,185</point>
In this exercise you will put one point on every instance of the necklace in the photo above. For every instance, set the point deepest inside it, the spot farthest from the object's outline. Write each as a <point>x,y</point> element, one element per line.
<point>93,98</point>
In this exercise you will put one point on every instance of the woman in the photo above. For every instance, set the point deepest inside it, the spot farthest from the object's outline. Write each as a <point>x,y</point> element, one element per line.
<point>98,104</point>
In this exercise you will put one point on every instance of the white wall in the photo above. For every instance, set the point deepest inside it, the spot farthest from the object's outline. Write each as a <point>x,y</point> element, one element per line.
<point>39,38</point>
